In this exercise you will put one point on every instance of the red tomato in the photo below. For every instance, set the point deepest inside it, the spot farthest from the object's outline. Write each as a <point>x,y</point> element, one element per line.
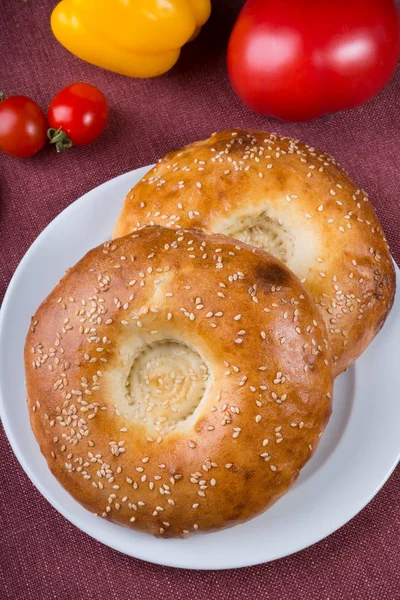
<point>300,59</point>
<point>23,127</point>
<point>81,111</point>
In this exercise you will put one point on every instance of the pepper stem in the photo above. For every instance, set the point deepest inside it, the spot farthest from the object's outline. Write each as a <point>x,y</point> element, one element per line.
<point>59,138</point>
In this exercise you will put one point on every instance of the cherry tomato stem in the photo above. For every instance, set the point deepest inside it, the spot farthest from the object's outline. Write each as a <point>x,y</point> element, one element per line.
<point>59,138</point>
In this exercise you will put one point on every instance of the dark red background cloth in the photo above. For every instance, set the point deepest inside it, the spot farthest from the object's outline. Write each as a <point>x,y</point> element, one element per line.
<point>42,555</point>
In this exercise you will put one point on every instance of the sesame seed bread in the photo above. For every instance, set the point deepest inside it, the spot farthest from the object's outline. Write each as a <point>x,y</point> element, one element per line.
<point>178,381</point>
<point>291,200</point>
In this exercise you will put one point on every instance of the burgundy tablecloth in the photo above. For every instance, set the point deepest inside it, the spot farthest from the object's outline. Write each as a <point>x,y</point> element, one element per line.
<point>42,555</point>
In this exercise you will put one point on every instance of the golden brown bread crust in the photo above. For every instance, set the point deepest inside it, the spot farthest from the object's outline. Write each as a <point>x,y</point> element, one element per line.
<point>269,381</point>
<point>248,184</point>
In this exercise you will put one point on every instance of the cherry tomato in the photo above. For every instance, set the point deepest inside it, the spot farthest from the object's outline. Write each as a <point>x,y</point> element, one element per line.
<point>80,112</point>
<point>23,127</point>
<point>300,59</point>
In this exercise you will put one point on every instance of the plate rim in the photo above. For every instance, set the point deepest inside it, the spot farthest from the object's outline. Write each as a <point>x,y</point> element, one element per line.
<point>48,495</point>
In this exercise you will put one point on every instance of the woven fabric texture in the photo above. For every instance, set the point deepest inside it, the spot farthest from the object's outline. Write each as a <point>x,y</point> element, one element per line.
<point>42,556</point>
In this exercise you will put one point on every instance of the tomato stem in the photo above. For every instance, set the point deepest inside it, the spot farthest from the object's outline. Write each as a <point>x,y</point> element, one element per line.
<point>59,138</point>
<point>2,97</point>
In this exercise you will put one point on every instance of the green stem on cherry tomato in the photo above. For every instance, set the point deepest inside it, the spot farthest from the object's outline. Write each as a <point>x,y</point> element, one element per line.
<point>2,97</point>
<point>59,138</point>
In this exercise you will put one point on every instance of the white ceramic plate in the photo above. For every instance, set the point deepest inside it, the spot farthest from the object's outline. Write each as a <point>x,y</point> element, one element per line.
<point>358,451</point>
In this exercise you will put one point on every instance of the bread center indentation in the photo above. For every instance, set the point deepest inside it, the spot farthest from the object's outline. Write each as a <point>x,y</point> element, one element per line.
<point>166,383</point>
<point>265,233</point>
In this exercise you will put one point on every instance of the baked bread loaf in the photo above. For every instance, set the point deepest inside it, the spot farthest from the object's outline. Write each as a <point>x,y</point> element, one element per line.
<point>178,381</point>
<point>291,200</point>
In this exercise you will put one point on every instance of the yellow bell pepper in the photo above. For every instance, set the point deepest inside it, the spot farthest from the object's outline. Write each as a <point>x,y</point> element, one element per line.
<point>138,38</point>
